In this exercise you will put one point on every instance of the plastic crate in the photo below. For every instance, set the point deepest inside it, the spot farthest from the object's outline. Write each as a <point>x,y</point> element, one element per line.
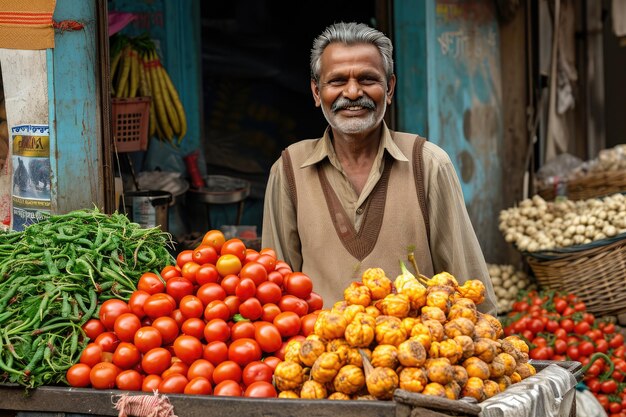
<point>130,119</point>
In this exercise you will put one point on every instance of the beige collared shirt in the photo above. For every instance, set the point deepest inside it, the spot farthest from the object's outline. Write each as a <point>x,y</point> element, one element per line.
<point>453,243</point>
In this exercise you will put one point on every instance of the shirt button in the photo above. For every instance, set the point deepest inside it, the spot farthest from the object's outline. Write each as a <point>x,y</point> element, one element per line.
<point>359,210</point>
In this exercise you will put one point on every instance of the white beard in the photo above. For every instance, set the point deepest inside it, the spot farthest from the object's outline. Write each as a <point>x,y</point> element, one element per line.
<point>351,125</point>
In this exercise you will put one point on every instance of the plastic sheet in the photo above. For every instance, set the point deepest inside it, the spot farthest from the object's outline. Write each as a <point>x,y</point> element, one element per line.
<point>549,393</point>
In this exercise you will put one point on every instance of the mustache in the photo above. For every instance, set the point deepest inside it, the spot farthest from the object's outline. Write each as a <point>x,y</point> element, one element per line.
<point>344,103</point>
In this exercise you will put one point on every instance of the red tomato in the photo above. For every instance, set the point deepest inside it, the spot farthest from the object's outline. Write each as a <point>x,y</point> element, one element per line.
<point>198,386</point>
<point>210,292</point>
<point>168,328</point>
<point>243,351</point>
<point>268,251</point>
<point>170,271</point>
<point>191,306</point>
<point>108,341</point>
<point>582,327</point>
<point>151,383</point>
<point>187,348</point>
<point>150,283</point>
<point>177,367</point>
<point>126,355</point>
<point>189,270</point>
<point>267,336</point>
<point>216,310</point>
<point>315,302</point>
<point>125,326</point>
<point>268,262</point>
<point>257,371</point>
<point>288,323</point>
<point>255,271</point>
<point>178,287</point>
<point>93,328</point>
<point>227,370</point>
<point>183,257</point>
<point>270,311</point>
<point>271,361</point>
<point>110,310</point>
<point>560,305</point>
<point>242,329</point>
<point>235,247</point>
<point>308,321</point>
<point>269,292</point>
<point>229,283</point>
<point>586,348</point>
<point>228,388</point>
<point>173,384</point>
<point>158,305</point>
<point>283,265</point>
<point>177,315</point>
<point>207,273</point>
<point>293,303</point>
<point>214,238</point>
<point>215,352</point>
<point>136,302</point>
<point>156,361</point>
<point>233,303</point>
<point>147,338</point>
<point>251,309</point>
<point>251,255</point>
<point>276,277</point>
<point>260,389</point>
<point>298,284</point>
<point>536,326</point>
<point>601,346</point>
<point>78,375</point>
<point>573,353</point>
<point>129,380</point>
<point>568,325</point>
<point>103,374</point>
<point>216,330</point>
<point>616,340</point>
<point>201,368</point>
<point>245,289</point>
<point>193,327</point>
<point>560,346</point>
<point>205,254</point>
<point>609,386</point>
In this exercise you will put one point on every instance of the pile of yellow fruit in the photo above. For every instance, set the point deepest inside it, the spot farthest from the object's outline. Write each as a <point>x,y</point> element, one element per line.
<point>417,334</point>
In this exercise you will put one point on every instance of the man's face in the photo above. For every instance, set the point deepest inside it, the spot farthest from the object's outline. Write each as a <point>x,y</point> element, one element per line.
<point>353,91</point>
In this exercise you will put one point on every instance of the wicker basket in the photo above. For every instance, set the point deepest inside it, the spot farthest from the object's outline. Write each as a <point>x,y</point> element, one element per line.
<point>130,123</point>
<point>596,273</point>
<point>594,184</point>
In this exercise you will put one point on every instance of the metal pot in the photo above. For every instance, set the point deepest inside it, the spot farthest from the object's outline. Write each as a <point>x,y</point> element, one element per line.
<point>149,208</point>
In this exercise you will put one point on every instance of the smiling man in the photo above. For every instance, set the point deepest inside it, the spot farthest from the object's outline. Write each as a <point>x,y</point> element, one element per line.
<point>363,196</point>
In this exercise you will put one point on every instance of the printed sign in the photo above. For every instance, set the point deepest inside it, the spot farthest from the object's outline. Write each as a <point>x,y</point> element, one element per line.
<point>30,157</point>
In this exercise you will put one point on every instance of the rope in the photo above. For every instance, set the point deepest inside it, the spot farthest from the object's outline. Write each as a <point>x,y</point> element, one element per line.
<point>144,406</point>
<point>64,25</point>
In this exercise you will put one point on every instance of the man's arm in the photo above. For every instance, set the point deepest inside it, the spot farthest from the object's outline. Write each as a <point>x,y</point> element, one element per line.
<point>280,229</point>
<point>454,245</point>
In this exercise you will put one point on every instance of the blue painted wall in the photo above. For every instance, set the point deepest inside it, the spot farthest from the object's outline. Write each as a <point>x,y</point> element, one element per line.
<point>448,66</point>
<point>74,114</point>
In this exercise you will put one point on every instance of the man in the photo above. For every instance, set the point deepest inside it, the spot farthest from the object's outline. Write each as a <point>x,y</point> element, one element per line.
<point>363,196</point>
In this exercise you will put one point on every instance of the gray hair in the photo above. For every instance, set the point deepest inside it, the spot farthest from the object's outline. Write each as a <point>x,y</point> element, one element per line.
<point>351,34</point>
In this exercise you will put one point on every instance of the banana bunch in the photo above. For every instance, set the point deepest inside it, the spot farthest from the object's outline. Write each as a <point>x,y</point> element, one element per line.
<point>136,71</point>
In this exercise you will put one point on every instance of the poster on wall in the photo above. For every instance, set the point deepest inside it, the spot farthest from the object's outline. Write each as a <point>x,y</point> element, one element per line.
<point>30,185</point>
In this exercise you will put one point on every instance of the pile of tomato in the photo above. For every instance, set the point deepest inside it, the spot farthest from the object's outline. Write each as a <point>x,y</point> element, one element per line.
<point>217,322</point>
<point>559,327</point>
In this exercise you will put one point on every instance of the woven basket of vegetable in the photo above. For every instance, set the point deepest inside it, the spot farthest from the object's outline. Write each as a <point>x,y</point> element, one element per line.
<point>595,272</point>
<point>593,184</point>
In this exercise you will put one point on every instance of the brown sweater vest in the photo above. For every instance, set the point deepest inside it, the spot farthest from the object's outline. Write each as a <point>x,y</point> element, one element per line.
<point>395,220</point>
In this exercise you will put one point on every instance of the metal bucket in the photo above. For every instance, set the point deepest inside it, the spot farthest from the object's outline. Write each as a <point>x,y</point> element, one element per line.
<point>149,208</point>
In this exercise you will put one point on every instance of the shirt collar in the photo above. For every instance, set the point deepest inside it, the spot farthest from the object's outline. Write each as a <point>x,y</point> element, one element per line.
<point>324,148</point>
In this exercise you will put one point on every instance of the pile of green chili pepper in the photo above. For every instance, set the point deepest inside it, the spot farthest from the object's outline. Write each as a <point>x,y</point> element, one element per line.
<point>54,275</point>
